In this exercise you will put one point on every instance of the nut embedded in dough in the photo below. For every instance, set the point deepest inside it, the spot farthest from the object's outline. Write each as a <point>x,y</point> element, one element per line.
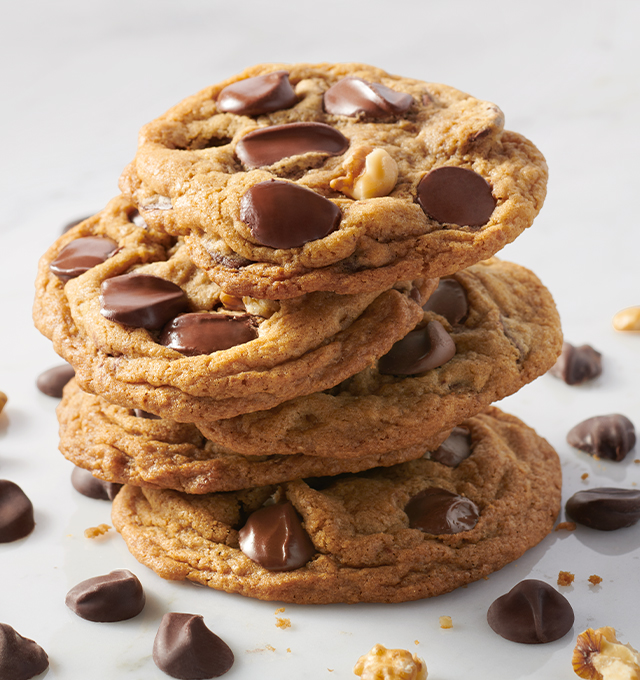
<point>370,173</point>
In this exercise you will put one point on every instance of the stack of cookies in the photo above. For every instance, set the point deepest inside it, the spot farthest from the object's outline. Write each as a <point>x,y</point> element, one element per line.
<point>288,331</point>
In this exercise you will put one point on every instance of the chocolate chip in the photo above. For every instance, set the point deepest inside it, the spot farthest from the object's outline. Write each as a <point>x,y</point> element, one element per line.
<point>16,513</point>
<point>20,658</point>
<point>438,511</point>
<point>81,255</point>
<point>532,612</point>
<point>92,487</point>
<point>576,365</point>
<point>353,96</point>
<point>605,509</point>
<point>285,215</point>
<point>453,195</point>
<point>185,648</point>
<point>204,332</point>
<point>116,596</point>
<point>611,436</point>
<point>261,94</point>
<point>52,381</point>
<point>454,449</point>
<point>271,144</point>
<point>449,299</point>
<point>419,351</point>
<point>275,538</point>
<point>141,301</point>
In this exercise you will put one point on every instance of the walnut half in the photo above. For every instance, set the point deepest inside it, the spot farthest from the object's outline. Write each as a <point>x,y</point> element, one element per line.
<point>599,655</point>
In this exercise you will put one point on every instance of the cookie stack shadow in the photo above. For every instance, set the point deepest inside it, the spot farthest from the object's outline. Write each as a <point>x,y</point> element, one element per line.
<point>288,332</point>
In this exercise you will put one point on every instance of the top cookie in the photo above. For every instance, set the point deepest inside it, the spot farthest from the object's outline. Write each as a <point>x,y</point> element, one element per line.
<point>340,177</point>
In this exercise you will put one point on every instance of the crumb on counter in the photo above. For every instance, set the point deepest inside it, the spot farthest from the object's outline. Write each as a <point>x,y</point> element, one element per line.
<point>282,622</point>
<point>566,526</point>
<point>584,476</point>
<point>595,580</point>
<point>279,610</point>
<point>446,622</point>
<point>565,578</point>
<point>94,532</point>
<point>390,664</point>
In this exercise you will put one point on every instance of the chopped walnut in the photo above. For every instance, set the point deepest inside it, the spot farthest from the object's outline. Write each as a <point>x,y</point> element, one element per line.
<point>599,655</point>
<point>370,173</point>
<point>264,308</point>
<point>594,579</point>
<point>446,622</point>
<point>94,532</point>
<point>627,319</point>
<point>390,664</point>
<point>565,578</point>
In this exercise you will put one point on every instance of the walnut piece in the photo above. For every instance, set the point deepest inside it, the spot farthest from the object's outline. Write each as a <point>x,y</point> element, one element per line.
<point>390,664</point>
<point>370,173</point>
<point>627,319</point>
<point>599,655</point>
<point>94,532</point>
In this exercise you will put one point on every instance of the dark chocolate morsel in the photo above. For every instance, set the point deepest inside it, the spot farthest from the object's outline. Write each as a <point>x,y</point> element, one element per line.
<point>261,94</point>
<point>206,332</point>
<point>454,195</point>
<point>141,301</point>
<point>605,508</point>
<point>268,145</point>
<point>419,351</point>
<point>532,612</point>
<point>353,96</point>
<point>20,658</point>
<point>454,449</point>
<point>185,648</point>
<point>449,299</point>
<point>16,512</point>
<point>81,255</point>
<point>611,436</point>
<point>285,215</point>
<point>275,538</point>
<point>438,511</point>
<point>576,365</point>
<point>116,596</point>
<point>52,381</point>
<point>85,483</point>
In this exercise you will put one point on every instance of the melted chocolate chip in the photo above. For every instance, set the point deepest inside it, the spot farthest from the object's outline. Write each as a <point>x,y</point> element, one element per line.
<point>185,648</point>
<point>611,436</point>
<point>284,215</point>
<point>419,351</point>
<point>454,449</point>
<point>271,144</point>
<point>20,658</point>
<point>577,364</point>
<point>449,299</point>
<point>205,332</point>
<point>92,487</point>
<point>532,612</point>
<point>453,195</point>
<point>52,381</point>
<point>275,538</point>
<point>141,301</point>
<point>353,96</point>
<point>81,255</point>
<point>605,509</point>
<point>438,511</point>
<point>117,596</point>
<point>16,512</point>
<point>261,94</point>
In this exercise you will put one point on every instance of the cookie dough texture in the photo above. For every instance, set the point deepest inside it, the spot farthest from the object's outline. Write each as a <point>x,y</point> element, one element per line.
<point>366,551</point>
<point>188,179</point>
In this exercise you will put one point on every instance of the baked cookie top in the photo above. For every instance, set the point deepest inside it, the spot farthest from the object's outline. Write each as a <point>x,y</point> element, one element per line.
<point>414,530</point>
<point>291,178</point>
<point>145,328</point>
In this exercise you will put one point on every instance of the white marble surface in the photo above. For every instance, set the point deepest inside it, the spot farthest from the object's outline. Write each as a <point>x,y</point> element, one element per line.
<point>80,78</point>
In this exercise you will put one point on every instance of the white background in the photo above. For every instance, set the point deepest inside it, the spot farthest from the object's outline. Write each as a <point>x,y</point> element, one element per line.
<point>80,78</point>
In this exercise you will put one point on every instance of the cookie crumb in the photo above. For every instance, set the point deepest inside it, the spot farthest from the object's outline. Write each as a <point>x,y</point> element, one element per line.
<point>636,460</point>
<point>390,664</point>
<point>565,578</point>
<point>446,622</point>
<point>94,532</point>
<point>595,580</point>
<point>566,526</point>
<point>416,642</point>
<point>279,610</point>
<point>584,476</point>
<point>283,623</point>
<point>288,650</point>
<point>3,400</point>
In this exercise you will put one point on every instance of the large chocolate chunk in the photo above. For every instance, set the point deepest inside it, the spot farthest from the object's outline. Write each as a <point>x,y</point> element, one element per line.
<point>185,648</point>
<point>605,508</point>
<point>576,365</point>
<point>81,255</point>
<point>52,381</point>
<point>205,332</point>
<point>438,511</point>
<point>419,351</point>
<point>261,94</point>
<point>275,538</point>
<point>454,195</point>
<point>92,487</point>
<point>611,436</point>
<point>454,449</point>
<point>353,96</point>
<point>532,612</point>
<point>20,658</point>
<point>285,215</point>
<point>16,512</point>
<point>116,596</point>
<point>141,301</point>
<point>449,299</point>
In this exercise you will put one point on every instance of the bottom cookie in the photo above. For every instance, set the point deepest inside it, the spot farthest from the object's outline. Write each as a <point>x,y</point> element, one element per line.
<point>414,530</point>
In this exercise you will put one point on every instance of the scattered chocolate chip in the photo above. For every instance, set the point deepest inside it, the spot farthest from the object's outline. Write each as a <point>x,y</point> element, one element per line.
<point>141,301</point>
<point>285,215</point>
<point>20,658</point>
<point>16,512</point>
<point>185,648</point>
<point>449,299</point>
<point>261,94</point>
<point>611,436</point>
<point>73,223</point>
<point>85,483</point>
<point>532,612</point>
<point>454,195</point>
<point>576,365</point>
<point>139,413</point>
<point>275,538</point>
<point>419,351</point>
<point>454,449</point>
<point>52,381</point>
<point>116,596</point>
<point>205,332</point>
<point>81,255</point>
<point>438,511</point>
<point>605,509</point>
<point>353,96</point>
